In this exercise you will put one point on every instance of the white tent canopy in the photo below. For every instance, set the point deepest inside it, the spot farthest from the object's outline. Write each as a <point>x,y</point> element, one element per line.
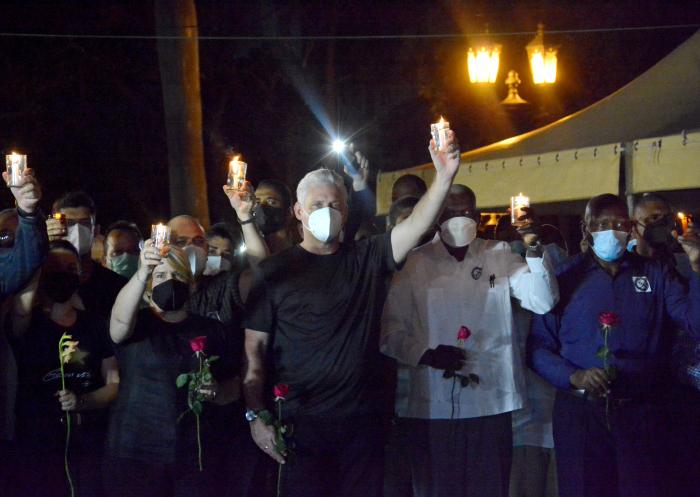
<point>578,156</point>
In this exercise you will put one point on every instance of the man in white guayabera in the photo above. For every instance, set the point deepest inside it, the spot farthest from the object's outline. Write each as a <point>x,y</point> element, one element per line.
<point>449,318</point>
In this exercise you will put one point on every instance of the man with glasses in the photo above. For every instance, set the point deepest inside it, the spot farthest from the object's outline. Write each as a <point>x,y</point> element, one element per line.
<point>605,347</point>
<point>448,317</point>
<point>99,286</point>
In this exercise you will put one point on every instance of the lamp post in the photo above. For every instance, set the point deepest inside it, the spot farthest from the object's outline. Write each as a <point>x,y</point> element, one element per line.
<point>543,60</point>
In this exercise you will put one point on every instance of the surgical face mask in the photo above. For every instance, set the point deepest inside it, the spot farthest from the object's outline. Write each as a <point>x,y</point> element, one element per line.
<point>80,237</point>
<point>269,219</point>
<point>60,286</point>
<point>216,264</point>
<point>124,264</point>
<point>197,258</point>
<point>458,231</point>
<point>609,245</point>
<point>325,224</point>
<point>631,245</point>
<point>170,295</point>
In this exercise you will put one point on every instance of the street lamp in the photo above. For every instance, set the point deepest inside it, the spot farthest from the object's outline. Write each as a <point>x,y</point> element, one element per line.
<point>543,60</point>
<point>482,62</point>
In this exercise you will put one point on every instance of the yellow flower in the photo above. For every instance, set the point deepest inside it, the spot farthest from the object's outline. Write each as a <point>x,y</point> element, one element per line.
<point>69,348</point>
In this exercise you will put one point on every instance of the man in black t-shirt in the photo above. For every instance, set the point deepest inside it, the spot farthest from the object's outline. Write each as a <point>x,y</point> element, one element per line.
<point>316,307</point>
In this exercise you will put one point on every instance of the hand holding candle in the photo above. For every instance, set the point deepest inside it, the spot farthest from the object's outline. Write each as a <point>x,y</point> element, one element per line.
<point>24,186</point>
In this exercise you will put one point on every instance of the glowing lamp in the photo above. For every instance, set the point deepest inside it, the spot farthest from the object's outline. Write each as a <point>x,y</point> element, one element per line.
<point>543,60</point>
<point>482,62</point>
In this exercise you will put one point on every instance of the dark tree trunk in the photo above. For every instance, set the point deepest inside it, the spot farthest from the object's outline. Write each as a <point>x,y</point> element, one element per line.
<point>179,73</point>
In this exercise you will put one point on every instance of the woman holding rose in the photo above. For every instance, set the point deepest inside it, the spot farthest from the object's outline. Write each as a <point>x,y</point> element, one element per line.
<point>154,436</point>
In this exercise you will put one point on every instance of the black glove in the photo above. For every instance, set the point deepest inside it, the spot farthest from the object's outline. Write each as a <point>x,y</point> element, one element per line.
<point>444,357</point>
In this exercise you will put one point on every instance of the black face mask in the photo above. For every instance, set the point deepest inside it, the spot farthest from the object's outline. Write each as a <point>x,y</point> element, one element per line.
<point>269,219</point>
<point>170,295</point>
<point>658,234</point>
<point>60,286</point>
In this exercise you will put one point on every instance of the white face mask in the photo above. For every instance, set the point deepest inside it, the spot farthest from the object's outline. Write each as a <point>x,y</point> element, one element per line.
<point>458,231</point>
<point>80,237</point>
<point>325,224</point>
<point>216,264</point>
<point>197,258</point>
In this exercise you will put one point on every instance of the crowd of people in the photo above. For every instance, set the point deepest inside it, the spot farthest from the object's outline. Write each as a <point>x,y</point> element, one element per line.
<point>315,349</point>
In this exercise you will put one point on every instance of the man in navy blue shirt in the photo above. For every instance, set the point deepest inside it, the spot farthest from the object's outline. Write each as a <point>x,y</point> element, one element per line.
<point>606,419</point>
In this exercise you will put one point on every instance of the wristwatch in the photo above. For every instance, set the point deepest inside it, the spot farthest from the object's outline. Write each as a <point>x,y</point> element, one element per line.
<point>251,415</point>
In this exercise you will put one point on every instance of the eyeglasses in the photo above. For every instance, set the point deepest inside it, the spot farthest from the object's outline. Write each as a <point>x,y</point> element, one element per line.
<point>87,222</point>
<point>604,225</point>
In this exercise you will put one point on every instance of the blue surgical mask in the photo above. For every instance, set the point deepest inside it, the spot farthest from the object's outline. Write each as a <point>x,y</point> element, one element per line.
<point>609,245</point>
<point>631,245</point>
<point>124,264</point>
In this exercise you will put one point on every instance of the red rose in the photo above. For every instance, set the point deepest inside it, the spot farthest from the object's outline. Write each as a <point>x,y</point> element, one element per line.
<point>608,319</point>
<point>198,344</point>
<point>463,333</point>
<point>281,390</point>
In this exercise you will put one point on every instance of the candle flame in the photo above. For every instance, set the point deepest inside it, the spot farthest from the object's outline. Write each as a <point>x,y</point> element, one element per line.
<point>442,120</point>
<point>681,215</point>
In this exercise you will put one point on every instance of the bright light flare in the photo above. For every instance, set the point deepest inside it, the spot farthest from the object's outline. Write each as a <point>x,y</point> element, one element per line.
<point>338,146</point>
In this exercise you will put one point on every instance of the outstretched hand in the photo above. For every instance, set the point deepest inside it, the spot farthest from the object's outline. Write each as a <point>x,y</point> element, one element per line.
<point>446,159</point>
<point>357,168</point>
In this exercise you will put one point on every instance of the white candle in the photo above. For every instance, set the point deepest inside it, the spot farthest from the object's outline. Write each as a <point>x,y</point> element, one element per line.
<point>15,164</point>
<point>516,208</point>
<point>160,234</point>
<point>439,132</point>
<point>237,170</point>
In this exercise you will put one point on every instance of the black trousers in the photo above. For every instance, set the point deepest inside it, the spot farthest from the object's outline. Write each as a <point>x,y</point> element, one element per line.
<point>594,461</point>
<point>335,458</point>
<point>131,478</point>
<point>35,464</point>
<point>461,457</point>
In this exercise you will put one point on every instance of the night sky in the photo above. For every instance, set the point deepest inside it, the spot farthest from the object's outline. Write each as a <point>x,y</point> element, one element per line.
<point>89,112</point>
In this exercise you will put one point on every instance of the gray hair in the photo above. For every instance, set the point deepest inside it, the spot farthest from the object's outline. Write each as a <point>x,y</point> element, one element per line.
<point>321,177</point>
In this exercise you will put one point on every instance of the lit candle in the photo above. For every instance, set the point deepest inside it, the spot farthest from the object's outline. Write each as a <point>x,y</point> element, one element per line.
<point>439,132</point>
<point>15,164</point>
<point>516,208</point>
<point>160,234</point>
<point>684,220</point>
<point>236,173</point>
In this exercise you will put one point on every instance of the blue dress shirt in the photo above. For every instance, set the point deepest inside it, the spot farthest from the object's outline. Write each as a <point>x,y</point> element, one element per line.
<point>649,298</point>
